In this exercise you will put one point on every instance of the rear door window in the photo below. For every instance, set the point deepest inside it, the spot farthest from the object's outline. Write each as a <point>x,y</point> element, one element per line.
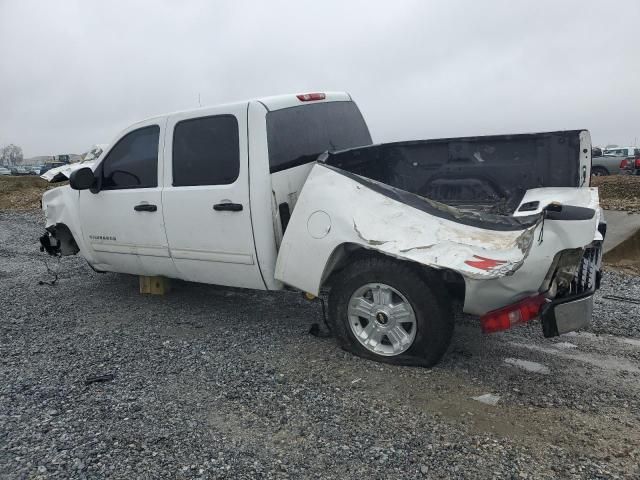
<point>133,161</point>
<point>206,151</point>
<point>297,135</point>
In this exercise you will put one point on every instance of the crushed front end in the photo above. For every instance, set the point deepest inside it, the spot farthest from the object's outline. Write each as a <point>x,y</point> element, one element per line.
<point>62,236</point>
<point>58,241</point>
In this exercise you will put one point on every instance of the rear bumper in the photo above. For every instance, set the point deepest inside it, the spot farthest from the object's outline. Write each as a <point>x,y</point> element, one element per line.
<point>566,315</point>
<point>574,312</point>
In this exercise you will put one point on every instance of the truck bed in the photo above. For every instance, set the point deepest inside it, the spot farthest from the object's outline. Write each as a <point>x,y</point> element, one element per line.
<point>475,206</point>
<point>488,174</point>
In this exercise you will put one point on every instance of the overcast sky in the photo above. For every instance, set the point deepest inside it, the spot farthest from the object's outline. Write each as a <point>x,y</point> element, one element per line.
<point>74,73</point>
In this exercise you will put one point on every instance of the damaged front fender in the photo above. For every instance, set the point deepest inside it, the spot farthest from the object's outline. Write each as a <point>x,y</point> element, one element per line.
<point>64,235</point>
<point>59,241</point>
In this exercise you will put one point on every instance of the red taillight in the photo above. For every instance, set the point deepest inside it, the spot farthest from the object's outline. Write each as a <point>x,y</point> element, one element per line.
<point>623,163</point>
<point>310,97</point>
<point>637,162</point>
<point>517,313</point>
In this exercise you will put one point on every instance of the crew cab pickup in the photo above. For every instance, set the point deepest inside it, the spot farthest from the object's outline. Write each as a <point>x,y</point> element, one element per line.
<point>290,192</point>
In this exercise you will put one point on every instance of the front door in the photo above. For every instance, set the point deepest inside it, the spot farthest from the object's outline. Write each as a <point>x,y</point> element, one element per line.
<point>122,222</point>
<point>206,198</point>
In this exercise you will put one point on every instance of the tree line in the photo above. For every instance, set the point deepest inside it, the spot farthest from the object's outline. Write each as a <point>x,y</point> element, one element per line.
<point>11,155</point>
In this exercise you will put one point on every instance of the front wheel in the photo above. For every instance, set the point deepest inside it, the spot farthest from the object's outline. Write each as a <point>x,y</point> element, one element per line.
<point>599,172</point>
<point>384,310</point>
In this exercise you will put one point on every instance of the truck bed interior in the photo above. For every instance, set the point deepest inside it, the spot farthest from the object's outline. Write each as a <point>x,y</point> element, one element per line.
<point>487,174</point>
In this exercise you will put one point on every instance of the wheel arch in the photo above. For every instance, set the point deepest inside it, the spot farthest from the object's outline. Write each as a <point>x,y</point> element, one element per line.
<point>67,244</point>
<point>348,252</point>
<point>600,168</point>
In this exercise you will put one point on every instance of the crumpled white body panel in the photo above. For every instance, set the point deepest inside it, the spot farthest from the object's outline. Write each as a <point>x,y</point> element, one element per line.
<point>355,214</point>
<point>66,170</point>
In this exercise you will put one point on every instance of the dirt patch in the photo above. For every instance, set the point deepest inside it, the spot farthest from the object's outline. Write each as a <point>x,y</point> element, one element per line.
<point>23,193</point>
<point>626,256</point>
<point>621,192</point>
<point>618,192</point>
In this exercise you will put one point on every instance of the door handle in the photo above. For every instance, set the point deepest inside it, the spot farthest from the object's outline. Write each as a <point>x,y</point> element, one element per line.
<point>145,207</point>
<point>228,207</point>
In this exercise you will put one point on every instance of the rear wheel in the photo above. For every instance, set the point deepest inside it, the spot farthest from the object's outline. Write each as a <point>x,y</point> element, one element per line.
<point>387,311</point>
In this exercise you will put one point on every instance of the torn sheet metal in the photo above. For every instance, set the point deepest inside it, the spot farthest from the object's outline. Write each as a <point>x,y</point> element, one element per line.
<point>90,159</point>
<point>499,263</point>
<point>366,217</point>
<point>403,232</point>
<point>61,174</point>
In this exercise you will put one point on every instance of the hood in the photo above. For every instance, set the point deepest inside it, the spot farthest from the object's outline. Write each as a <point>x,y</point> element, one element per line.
<point>60,174</point>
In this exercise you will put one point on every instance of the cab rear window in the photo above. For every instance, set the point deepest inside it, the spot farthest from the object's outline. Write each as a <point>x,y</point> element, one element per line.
<point>297,135</point>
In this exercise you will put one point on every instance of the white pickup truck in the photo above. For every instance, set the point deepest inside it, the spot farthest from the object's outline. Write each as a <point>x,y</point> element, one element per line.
<point>289,191</point>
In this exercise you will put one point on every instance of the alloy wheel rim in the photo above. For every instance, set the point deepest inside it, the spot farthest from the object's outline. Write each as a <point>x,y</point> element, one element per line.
<point>382,319</point>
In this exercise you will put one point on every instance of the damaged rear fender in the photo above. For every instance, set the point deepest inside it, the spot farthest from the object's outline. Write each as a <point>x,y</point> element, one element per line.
<point>349,252</point>
<point>336,214</point>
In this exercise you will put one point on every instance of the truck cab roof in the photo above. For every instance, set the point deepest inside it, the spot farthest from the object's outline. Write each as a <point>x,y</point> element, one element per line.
<point>271,103</point>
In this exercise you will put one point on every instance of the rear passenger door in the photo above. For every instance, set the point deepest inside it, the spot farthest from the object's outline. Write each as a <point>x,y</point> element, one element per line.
<point>206,198</point>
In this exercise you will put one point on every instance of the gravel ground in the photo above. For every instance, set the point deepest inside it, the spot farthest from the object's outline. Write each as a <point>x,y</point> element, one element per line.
<point>225,383</point>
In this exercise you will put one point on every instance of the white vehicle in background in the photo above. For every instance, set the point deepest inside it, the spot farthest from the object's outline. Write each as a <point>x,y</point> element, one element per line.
<point>5,171</point>
<point>243,195</point>
<point>623,152</point>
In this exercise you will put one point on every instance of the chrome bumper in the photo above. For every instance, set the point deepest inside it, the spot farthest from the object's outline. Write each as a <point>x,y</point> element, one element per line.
<point>568,315</point>
<point>574,312</point>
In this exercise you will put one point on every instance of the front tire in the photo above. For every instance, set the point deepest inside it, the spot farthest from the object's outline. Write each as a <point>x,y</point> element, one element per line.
<point>599,172</point>
<point>387,311</point>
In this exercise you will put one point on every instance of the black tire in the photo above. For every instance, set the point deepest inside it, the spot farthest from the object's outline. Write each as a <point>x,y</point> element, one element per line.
<point>429,300</point>
<point>599,171</point>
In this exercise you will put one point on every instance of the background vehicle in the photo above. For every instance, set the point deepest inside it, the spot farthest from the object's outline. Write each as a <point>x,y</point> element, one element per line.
<point>631,165</point>
<point>19,171</point>
<point>621,152</point>
<point>608,165</point>
<point>605,165</point>
<point>5,171</point>
<point>237,195</point>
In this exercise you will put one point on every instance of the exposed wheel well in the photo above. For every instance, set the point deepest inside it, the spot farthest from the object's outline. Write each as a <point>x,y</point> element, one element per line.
<point>347,253</point>
<point>66,243</point>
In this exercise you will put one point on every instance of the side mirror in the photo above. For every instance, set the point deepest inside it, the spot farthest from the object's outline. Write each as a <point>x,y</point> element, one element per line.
<point>82,179</point>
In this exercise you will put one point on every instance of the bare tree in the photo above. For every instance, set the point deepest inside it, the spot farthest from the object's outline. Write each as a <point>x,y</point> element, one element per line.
<point>11,155</point>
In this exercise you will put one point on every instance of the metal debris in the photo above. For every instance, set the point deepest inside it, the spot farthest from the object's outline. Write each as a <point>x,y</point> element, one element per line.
<point>99,379</point>
<point>618,298</point>
<point>488,399</point>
